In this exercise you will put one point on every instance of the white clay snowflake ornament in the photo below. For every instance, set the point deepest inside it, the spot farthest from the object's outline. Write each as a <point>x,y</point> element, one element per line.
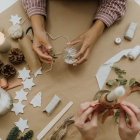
<point>15,19</point>
<point>24,74</point>
<point>36,101</point>
<point>28,83</point>
<point>21,95</point>
<point>22,124</point>
<point>18,108</point>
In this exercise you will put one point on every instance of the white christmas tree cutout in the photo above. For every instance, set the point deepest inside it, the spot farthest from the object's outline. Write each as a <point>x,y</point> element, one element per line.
<point>15,19</point>
<point>36,101</point>
<point>22,124</point>
<point>24,74</point>
<point>18,108</point>
<point>28,83</point>
<point>21,95</point>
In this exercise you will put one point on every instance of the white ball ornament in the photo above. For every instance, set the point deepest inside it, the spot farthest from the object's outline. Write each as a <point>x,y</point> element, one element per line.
<point>15,31</point>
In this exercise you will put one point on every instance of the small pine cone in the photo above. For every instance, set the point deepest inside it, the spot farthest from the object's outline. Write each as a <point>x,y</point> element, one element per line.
<point>16,56</point>
<point>1,64</point>
<point>8,71</point>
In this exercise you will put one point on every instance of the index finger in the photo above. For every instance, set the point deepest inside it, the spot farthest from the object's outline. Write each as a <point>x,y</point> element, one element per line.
<point>134,108</point>
<point>131,114</point>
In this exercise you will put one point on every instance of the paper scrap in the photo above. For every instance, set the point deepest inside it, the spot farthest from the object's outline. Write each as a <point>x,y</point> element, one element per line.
<point>18,108</point>
<point>38,72</point>
<point>36,101</point>
<point>138,2</point>
<point>5,4</point>
<point>28,83</point>
<point>21,95</point>
<point>22,124</point>
<point>24,74</point>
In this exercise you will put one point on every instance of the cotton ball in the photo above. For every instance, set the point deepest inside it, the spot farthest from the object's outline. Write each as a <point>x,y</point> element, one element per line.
<point>15,31</point>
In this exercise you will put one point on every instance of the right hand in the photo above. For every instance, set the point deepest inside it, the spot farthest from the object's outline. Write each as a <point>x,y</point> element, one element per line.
<point>129,131</point>
<point>42,47</point>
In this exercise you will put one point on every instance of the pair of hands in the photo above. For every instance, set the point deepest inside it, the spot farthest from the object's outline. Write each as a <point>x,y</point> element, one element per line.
<point>89,127</point>
<point>42,46</point>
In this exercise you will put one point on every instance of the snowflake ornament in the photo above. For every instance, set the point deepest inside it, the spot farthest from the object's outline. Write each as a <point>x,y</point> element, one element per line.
<point>15,19</point>
<point>21,95</point>
<point>22,124</point>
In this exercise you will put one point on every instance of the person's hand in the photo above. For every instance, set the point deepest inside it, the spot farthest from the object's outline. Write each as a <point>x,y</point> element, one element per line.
<point>42,47</point>
<point>87,39</point>
<point>40,41</point>
<point>86,126</point>
<point>129,131</point>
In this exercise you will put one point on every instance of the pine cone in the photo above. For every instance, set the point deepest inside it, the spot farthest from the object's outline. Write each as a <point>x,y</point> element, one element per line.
<point>8,71</point>
<point>1,64</point>
<point>16,56</point>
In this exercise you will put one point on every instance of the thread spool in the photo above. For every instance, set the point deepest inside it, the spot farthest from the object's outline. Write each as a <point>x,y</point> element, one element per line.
<point>134,53</point>
<point>118,41</point>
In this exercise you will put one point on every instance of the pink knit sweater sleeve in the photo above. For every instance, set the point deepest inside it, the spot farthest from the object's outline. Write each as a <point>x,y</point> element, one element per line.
<point>34,7</point>
<point>108,11</point>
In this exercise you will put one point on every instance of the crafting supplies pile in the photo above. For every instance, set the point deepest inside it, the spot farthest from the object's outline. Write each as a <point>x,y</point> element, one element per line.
<point>26,78</point>
<point>17,56</point>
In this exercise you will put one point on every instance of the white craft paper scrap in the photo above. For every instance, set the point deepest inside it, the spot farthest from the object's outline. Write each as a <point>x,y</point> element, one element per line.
<point>5,4</point>
<point>0,139</point>
<point>36,101</point>
<point>138,2</point>
<point>22,124</point>
<point>104,69</point>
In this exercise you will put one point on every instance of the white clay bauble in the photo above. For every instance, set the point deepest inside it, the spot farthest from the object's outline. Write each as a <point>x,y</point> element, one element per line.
<point>15,31</point>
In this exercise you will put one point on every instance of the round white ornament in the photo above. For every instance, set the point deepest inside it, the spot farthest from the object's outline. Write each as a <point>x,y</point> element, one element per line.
<point>118,40</point>
<point>15,31</point>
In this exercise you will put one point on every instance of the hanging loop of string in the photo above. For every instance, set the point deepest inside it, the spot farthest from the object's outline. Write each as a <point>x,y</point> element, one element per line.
<point>58,53</point>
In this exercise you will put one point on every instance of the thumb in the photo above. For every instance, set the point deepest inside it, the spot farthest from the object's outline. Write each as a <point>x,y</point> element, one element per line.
<point>74,42</point>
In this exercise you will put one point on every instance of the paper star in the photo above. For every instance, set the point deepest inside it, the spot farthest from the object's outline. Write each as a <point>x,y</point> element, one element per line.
<point>28,83</point>
<point>22,124</point>
<point>15,19</point>
<point>38,72</point>
<point>21,95</point>
<point>24,74</point>
<point>36,101</point>
<point>18,108</point>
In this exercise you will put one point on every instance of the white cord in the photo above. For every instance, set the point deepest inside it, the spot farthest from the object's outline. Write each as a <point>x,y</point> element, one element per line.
<point>53,38</point>
<point>24,21</point>
<point>50,68</point>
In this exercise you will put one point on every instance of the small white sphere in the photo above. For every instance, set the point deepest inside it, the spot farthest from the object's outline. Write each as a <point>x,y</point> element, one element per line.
<point>118,40</point>
<point>15,31</point>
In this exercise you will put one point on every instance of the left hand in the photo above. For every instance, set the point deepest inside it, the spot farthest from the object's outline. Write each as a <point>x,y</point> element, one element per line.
<point>88,39</point>
<point>87,127</point>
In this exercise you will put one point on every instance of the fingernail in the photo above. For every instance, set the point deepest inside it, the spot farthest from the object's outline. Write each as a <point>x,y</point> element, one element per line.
<point>49,47</point>
<point>73,59</point>
<point>68,43</point>
<point>74,64</point>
